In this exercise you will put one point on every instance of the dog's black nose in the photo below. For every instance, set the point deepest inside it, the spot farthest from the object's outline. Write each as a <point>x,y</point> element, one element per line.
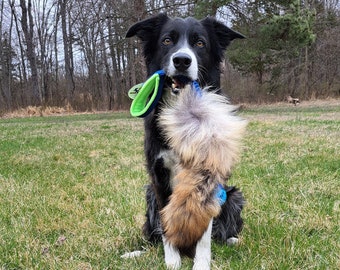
<point>182,61</point>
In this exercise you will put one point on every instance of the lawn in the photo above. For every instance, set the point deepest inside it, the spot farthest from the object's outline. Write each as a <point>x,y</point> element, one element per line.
<point>72,192</point>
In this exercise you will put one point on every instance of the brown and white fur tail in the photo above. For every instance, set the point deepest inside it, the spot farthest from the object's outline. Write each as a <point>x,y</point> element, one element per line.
<point>205,134</point>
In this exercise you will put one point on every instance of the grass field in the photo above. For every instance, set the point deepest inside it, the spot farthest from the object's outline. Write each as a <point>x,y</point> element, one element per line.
<point>72,192</point>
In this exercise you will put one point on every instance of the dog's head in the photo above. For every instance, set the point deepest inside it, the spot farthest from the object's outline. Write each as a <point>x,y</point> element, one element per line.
<point>186,49</point>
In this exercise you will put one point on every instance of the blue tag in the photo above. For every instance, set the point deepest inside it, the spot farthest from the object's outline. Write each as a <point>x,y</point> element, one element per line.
<point>197,88</point>
<point>221,194</point>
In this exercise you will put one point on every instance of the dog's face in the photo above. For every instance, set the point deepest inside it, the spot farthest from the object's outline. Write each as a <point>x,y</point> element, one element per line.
<point>186,49</point>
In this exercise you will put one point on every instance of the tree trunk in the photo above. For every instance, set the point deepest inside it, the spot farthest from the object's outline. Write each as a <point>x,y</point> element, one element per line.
<point>108,79</point>
<point>55,40</point>
<point>115,82</point>
<point>22,66</point>
<point>70,52</point>
<point>22,54</point>
<point>67,42</point>
<point>10,75</point>
<point>2,90</point>
<point>27,27</point>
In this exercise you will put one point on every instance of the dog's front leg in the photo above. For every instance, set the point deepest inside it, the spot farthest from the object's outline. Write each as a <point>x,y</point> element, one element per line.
<point>172,256</point>
<point>203,251</point>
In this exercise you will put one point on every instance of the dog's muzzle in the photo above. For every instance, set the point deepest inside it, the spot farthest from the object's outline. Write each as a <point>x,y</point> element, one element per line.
<point>182,61</point>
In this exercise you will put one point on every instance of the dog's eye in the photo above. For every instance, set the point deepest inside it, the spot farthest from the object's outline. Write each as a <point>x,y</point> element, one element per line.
<point>167,41</point>
<point>200,44</point>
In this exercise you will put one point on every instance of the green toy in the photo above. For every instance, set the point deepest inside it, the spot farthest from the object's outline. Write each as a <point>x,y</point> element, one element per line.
<point>146,95</point>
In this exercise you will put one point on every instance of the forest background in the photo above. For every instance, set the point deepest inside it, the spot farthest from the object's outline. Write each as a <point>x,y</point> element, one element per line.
<point>73,53</point>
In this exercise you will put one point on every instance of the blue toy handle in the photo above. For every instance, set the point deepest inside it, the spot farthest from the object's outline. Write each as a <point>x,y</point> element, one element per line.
<point>197,88</point>
<point>221,194</point>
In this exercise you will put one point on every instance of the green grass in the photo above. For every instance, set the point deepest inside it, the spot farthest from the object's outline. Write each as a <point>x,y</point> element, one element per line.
<point>72,192</point>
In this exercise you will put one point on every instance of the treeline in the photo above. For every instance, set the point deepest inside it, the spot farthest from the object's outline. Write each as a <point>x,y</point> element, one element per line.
<point>292,49</point>
<point>74,52</point>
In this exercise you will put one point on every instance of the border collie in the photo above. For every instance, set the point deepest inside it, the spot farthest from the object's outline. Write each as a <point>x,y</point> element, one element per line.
<point>192,139</point>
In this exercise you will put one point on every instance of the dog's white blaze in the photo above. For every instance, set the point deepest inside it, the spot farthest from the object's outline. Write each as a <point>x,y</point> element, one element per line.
<point>192,70</point>
<point>172,256</point>
<point>203,251</point>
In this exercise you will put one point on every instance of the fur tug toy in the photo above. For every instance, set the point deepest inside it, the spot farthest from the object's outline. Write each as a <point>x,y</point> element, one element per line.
<point>205,135</point>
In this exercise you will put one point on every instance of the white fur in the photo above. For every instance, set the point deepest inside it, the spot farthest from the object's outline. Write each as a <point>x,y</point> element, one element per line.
<point>172,256</point>
<point>203,251</point>
<point>192,70</point>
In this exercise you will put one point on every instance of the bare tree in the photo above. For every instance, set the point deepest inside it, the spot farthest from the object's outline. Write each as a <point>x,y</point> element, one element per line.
<point>56,52</point>
<point>44,25</point>
<point>67,42</point>
<point>27,25</point>
<point>2,75</point>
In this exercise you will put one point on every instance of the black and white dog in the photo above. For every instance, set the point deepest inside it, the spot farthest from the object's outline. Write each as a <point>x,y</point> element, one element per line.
<point>191,141</point>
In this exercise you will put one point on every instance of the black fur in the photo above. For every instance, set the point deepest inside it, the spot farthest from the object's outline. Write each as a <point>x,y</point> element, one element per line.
<point>216,37</point>
<point>229,223</point>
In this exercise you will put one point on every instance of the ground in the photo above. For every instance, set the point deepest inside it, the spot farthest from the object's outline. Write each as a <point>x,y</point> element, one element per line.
<point>72,191</point>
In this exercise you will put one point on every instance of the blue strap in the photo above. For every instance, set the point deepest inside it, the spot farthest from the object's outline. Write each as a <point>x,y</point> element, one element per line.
<point>160,72</point>
<point>197,88</point>
<point>221,194</point>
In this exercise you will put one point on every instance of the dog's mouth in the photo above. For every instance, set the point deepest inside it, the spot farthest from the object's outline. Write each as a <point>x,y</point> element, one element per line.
<point>178,82</point>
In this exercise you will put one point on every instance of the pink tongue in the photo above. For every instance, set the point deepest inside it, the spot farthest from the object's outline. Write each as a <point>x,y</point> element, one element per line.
<point>177,84</point>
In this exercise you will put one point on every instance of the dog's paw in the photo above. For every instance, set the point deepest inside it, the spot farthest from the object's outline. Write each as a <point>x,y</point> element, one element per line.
<point>173,262</point>
<point>232,241</point>
<point>172,259</point>
<point>201,264</point>
<point>172,256</point>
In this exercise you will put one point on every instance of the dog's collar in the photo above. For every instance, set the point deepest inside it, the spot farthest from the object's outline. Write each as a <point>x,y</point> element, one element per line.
<point>221,194</point>
<point>146,95</point>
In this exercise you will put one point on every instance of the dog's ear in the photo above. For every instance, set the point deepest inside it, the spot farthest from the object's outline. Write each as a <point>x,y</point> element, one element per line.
<point>146,29</point>
<point>223,33</point>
